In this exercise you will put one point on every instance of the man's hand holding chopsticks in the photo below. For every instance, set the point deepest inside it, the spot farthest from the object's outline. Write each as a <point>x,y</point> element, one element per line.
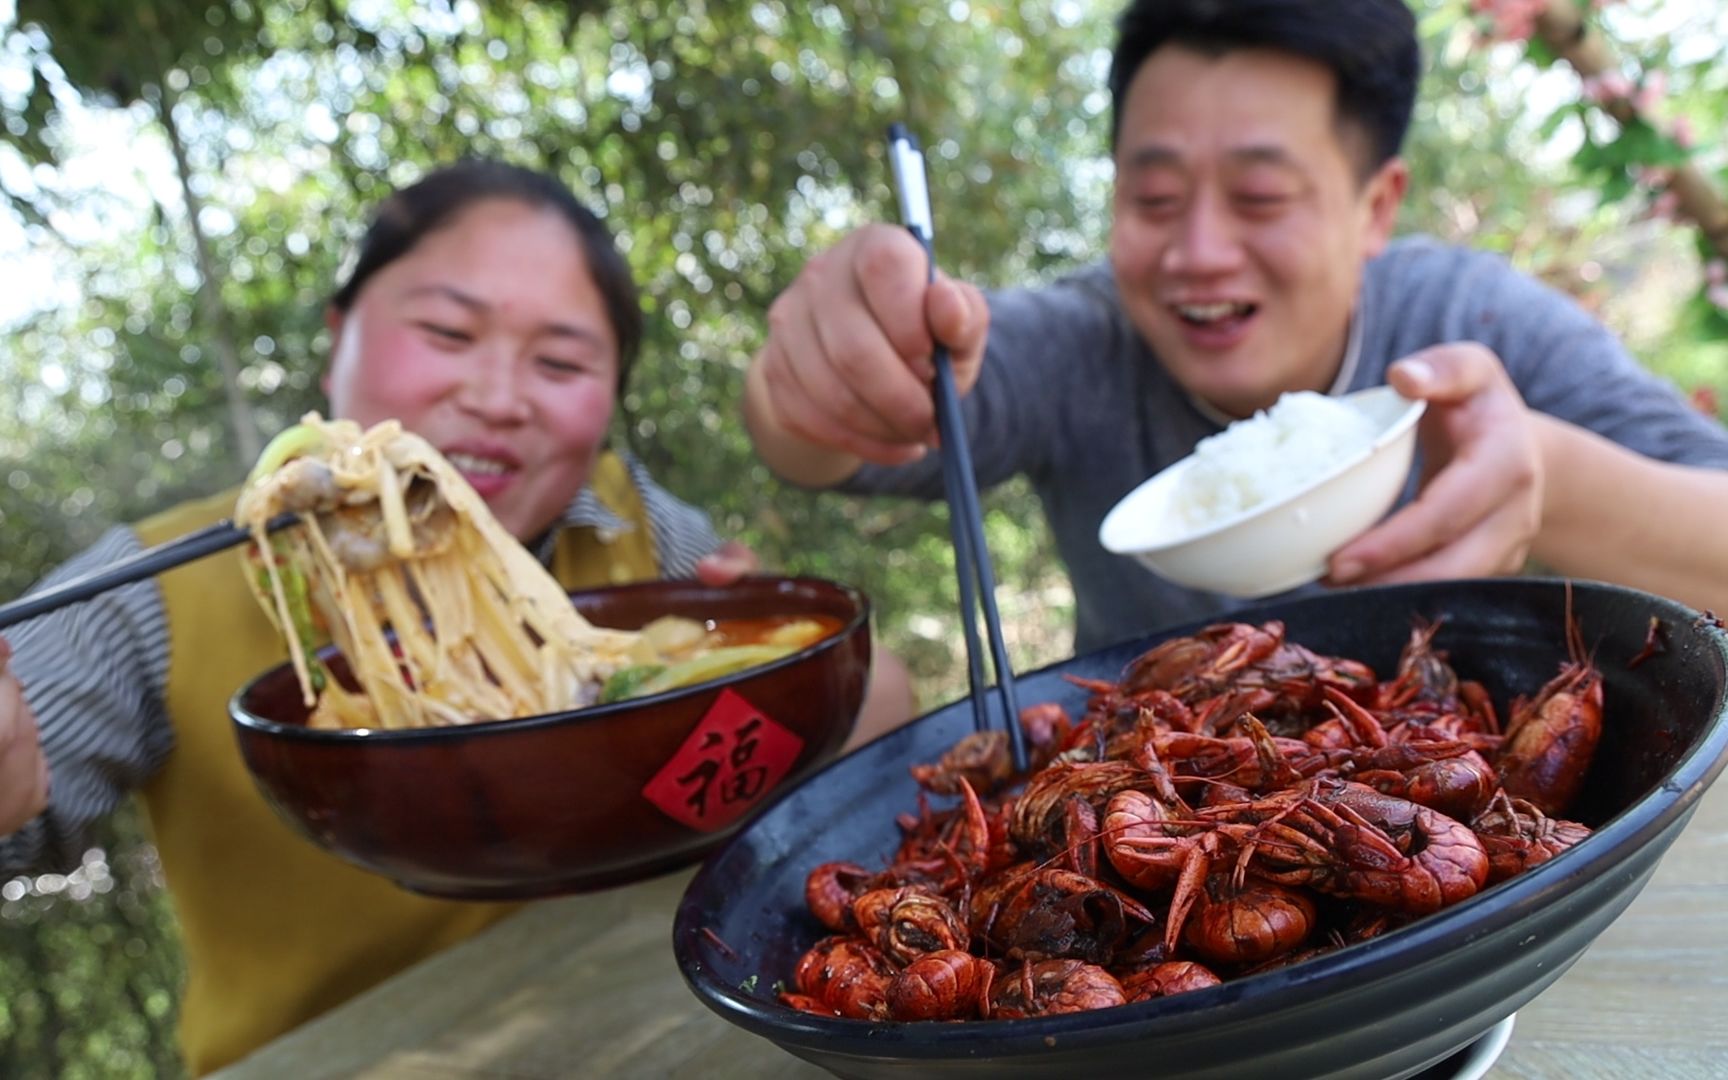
<point>845,375</point>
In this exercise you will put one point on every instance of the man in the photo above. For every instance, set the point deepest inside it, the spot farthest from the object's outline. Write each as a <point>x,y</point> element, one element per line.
<point>1257,185</point>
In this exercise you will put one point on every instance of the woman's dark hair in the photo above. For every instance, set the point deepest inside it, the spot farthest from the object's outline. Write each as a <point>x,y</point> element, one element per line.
<point>407,216</point>
<point>1370,46</point>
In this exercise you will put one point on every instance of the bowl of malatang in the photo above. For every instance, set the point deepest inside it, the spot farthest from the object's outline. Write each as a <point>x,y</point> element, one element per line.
<point>578,798</point>
<point>453,719</point>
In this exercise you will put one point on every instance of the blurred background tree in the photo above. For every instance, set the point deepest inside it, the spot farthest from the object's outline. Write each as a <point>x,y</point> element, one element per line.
<point>181,179</point>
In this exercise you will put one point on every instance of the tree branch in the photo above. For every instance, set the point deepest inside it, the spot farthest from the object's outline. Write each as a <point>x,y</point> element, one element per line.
<point>248,442</point>
<point>1563,30</point>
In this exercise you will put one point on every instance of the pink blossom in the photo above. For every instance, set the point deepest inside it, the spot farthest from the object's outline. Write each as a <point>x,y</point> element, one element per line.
<point>1718,295</point>
<point>1607,87</point>
<point>1510,20</point>
<point>1682,134</point>
<point>1666,206</point>
<point>1651,90</point>
<point>1654,177</point>
<point>1716,272</point>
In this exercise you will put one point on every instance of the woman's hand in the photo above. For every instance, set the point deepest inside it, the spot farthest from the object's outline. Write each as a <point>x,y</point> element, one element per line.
<point>1480,504</point>
<point>23,768</point>
<point>726,564</point>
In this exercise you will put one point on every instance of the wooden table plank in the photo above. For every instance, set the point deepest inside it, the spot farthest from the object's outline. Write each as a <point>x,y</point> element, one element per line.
<point>587,986</point>
<point>1649,998</point>
<point>583,985</point>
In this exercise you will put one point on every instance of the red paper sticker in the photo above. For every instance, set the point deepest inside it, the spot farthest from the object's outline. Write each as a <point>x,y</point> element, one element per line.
<point>730,760</point>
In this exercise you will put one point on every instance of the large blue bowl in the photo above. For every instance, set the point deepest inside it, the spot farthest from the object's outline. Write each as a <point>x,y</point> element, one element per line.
<point>1386,1008</point>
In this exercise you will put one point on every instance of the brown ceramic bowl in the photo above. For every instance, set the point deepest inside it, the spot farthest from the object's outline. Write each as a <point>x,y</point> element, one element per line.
<point>575,800</point>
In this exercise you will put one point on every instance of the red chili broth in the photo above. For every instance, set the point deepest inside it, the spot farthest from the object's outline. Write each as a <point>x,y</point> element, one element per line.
<point>756,631</point>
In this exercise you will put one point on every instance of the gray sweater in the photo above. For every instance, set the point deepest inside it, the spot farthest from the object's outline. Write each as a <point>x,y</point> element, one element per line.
<point>1073,398</point>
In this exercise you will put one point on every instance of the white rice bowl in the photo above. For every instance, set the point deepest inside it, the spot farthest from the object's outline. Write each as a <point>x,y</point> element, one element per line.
<point>1275,452</point>
<point>1256,509</point>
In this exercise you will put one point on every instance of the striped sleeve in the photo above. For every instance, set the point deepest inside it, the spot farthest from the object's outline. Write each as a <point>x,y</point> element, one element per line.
<point>94,675</point>
<point>682,533</point>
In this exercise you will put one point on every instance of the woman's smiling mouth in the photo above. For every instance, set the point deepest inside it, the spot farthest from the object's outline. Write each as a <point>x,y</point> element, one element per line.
<point>475,465</point>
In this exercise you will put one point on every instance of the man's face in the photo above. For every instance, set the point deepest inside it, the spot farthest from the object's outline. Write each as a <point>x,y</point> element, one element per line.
<point>1242,221</point>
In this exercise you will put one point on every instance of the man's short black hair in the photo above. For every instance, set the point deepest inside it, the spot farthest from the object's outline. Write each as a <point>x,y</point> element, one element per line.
<point>1370,47</point>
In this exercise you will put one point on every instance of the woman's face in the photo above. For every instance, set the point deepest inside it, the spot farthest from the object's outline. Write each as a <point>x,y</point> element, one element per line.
<point>489,339</point>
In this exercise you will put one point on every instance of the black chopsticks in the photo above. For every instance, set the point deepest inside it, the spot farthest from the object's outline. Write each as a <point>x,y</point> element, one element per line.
<point>147,563</point>
<point>965,518</point>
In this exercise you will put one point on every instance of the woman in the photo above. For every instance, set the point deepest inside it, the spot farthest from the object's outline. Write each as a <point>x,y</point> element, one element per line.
<point>490,313</point>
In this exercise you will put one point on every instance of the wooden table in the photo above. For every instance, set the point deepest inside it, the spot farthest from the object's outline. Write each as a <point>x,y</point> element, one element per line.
<point>586,987</point>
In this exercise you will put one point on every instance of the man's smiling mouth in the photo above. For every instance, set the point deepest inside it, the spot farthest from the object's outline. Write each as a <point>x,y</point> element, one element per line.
<point>1213,314</point>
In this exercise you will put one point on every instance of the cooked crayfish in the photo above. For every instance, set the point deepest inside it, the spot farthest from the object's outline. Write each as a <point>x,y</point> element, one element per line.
<point>1234,803</point>
<point>1552,737</point>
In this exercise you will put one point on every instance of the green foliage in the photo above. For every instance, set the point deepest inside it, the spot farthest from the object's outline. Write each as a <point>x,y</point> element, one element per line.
<point>1507,154</point>
<point>724,141</point>
<point>1611,164</point>
<point>91,991</point>
<point>122,49</point>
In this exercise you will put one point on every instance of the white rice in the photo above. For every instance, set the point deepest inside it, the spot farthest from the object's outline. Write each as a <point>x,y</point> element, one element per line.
<point>1277,451</point>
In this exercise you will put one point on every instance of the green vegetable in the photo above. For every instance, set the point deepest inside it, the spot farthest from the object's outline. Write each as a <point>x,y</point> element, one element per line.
<point>298,595</point>
<point>714,664</point>
<point>627,682</point>
<point>297,441</point>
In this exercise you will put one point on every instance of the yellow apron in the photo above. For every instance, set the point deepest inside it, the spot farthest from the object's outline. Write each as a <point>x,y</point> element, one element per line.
<point>276,931</point>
